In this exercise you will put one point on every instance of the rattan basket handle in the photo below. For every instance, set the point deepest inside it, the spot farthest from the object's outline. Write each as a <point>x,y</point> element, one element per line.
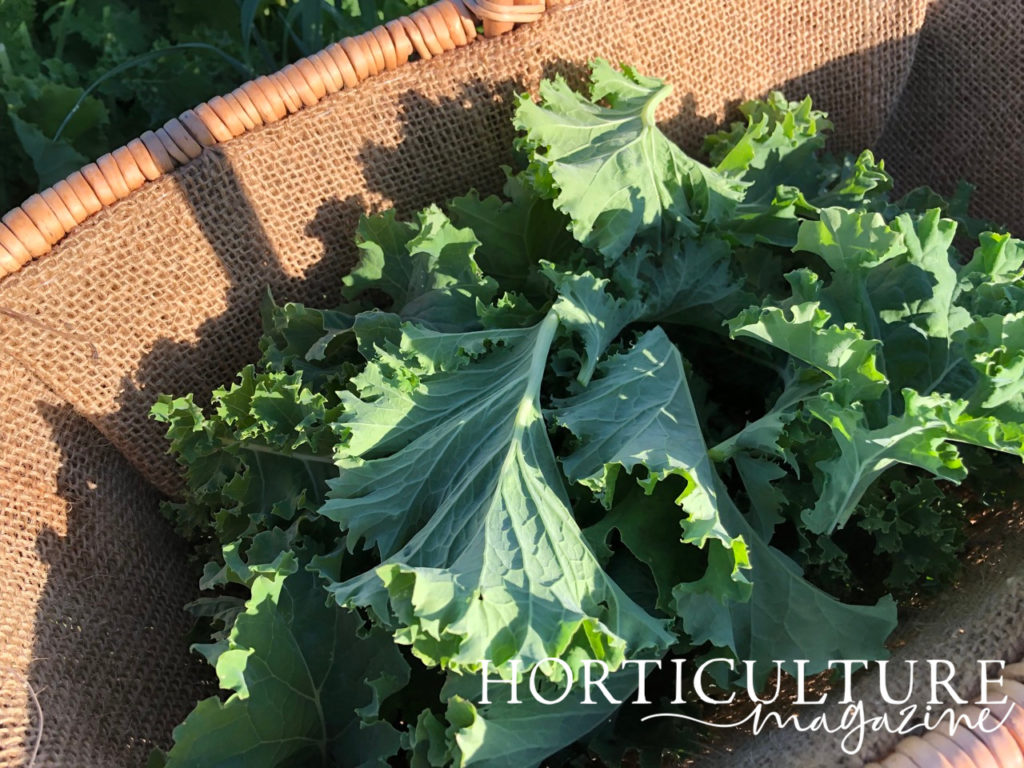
<point>32,229</point>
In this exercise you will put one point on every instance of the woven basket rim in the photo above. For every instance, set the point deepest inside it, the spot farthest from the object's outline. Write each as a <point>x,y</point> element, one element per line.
<point>32,229</point>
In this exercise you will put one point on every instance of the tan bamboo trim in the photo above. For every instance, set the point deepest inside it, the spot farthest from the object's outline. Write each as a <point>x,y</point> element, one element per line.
<point>176,136</point>
<point>1002,748</point>
<point>410,30</point>
<point>81,189</point>
<point>269,109</point>
<point>14,251</point>
<point>286,89</point>
<point>229,116</point>
<point>76,207</point>
<point>376,54</point>
<point>59,208</point>
<point>113,176</point>
<point>19,222</point>
<point>34,227</point>
<point>499,16</point>
<point>44,218</point>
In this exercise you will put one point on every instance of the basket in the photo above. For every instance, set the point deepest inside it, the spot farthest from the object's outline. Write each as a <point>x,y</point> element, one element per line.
<point>143,273</point>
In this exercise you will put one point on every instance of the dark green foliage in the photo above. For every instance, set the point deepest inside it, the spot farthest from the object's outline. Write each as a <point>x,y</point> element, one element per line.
<point>644,406</point>
<point>81,77</point>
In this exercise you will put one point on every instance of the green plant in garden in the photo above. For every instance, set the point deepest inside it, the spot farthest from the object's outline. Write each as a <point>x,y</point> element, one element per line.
<point>627,411</point>
<point>81,77</point>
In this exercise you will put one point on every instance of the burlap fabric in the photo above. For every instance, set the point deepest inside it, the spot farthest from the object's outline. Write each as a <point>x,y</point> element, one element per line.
<point>159,293</point>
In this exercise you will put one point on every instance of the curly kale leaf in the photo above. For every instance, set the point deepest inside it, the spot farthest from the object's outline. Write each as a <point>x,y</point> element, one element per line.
<point>449,472</point>
<point>306,683</point>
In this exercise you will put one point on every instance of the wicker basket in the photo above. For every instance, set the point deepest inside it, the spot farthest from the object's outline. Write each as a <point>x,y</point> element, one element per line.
<point>142,273</point>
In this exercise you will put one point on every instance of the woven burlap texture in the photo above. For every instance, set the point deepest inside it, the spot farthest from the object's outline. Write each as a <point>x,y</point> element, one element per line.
<point>159,293</point>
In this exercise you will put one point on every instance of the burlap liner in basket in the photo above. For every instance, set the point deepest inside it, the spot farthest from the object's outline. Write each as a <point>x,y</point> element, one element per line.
<point>159,293</point>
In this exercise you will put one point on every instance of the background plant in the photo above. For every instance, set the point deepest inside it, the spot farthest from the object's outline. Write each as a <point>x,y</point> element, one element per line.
<point>80,77</point>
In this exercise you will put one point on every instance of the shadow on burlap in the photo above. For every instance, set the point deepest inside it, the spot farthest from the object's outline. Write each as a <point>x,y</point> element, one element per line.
<point>160,293</point>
